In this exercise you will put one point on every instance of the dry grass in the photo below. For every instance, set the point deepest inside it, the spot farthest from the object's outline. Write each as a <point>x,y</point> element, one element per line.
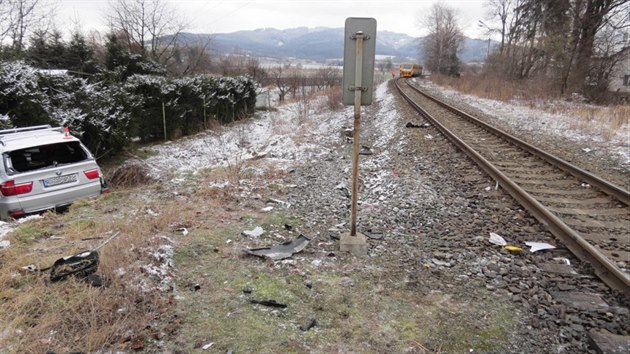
<point>130,174</point>
<point>37,316</point>
<point>591,119</point>
<point>498,88</point>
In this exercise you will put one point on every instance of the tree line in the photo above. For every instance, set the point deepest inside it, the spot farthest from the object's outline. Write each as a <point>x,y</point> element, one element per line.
<point>574,45</point>
<point>134,84</point>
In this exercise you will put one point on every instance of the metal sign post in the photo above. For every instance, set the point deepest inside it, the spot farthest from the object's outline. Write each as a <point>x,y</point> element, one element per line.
<point>357,131</point>
<point>358,75</point>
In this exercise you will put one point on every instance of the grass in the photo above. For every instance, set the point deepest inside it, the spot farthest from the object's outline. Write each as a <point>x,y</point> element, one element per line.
<point>180,303</point>
<point>357,308</point>
<point>359,311</point>
<point>601,120</point>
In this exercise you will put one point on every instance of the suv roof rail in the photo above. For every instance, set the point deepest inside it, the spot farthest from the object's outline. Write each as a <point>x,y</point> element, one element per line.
<point>5,132</point>
<point>25,129</point>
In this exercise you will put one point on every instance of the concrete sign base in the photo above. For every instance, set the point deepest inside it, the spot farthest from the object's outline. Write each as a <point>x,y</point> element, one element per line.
<point>356,245</point>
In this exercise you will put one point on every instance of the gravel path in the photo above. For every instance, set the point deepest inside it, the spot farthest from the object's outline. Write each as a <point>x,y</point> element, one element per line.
<point>428,211</point>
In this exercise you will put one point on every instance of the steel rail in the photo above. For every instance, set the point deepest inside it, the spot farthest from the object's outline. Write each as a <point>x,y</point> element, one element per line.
<point>605,186</point>
<point>604,268</point>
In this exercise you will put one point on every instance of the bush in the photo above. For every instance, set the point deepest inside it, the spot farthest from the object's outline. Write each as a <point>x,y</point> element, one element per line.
<point>106,115</point>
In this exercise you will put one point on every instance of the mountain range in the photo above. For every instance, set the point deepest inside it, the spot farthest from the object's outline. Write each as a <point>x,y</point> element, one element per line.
<point>320,44</point>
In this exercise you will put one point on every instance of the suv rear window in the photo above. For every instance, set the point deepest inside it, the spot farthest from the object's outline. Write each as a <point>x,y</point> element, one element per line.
<point>43,156</point>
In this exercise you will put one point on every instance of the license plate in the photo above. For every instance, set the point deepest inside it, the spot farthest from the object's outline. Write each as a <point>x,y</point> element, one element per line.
<point>54,181</point>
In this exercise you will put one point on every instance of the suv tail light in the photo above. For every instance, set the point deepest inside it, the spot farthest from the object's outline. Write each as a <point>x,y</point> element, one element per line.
<point>9,188</point>
<point>92,174</point>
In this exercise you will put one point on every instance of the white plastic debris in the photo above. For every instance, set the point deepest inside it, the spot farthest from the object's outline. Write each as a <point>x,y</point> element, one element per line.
<point>563,260</point>
<point>281,202</point>
<point>428,136</point>
<point>587,150</point>
<point>539,246</point>
<point>183,230</point>
<point>30,268</point>
<point>267,209</point>
<point>256,232</point>
<point>207,346</point>
<point>497,240</point>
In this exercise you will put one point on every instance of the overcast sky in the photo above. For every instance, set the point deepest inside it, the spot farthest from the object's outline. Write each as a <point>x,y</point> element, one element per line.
<point>220,16</point>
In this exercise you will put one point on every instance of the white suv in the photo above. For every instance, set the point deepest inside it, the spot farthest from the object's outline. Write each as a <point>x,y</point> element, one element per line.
<point>44,168</point>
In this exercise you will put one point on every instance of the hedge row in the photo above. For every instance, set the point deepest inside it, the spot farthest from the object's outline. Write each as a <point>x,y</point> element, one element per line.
<point>108,115</point>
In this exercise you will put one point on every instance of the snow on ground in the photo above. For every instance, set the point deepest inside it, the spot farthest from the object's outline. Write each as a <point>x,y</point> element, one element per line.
<point>6,227</point>
<point>297,132</point>
<point>300,132</point>
<point>521,116</point>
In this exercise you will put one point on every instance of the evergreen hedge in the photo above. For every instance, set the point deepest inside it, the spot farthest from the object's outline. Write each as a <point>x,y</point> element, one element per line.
<point>106,115</point>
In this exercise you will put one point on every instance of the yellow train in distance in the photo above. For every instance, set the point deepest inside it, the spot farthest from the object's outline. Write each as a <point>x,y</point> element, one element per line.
<point>410,70</point>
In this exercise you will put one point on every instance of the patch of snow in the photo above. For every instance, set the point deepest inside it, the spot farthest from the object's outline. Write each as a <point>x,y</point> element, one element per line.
<point>6,227</point>
<point>292,134</point>
<point>29,218</point>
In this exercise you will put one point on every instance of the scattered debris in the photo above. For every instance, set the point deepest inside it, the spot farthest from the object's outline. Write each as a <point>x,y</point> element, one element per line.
<point>497,240</point>
<point>440,263</point>
<point>587,150</point>
<point>365,151</point>
<point>207,346</point>
<point>97,281</point>
<point>30,268</point>
<point>513,248</point>
<point>374,235</point>
<point>281,202</point>
<point>267,209</point>
<point>428,137</point>
<point>79,265</point>
<point>270,303</point>
<point>412,125</point>
<point>4,244</point>
<point>562,260</point>
<point>183,230</point>
<point>539,246</point>
<point>256,232</point>
<point>310,324</point>
<point>342,187</point>
<point>195,287</point>
<point>281,251</point>
<point>91,238</point>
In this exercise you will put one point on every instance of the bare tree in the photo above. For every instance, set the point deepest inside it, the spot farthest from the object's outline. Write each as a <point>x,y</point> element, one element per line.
<point>20,18</point>
<point>572,44</point>
<point>501,10</point>
<point>279,79</point>
<point>151,27</point>
<point>443,42</point>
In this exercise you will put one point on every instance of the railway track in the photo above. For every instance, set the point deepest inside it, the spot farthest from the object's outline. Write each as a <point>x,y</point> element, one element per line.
<point>588,214</point>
